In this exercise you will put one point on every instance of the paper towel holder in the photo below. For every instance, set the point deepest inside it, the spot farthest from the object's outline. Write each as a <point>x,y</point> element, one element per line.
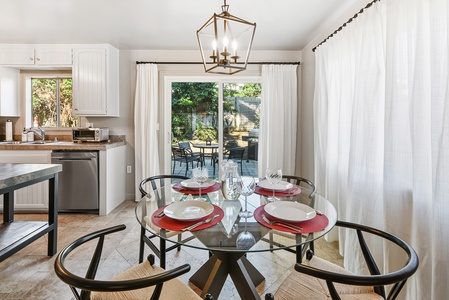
<point>8,130</point>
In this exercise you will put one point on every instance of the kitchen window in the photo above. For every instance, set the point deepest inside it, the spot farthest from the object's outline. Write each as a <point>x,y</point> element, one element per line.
<point>51,102</point>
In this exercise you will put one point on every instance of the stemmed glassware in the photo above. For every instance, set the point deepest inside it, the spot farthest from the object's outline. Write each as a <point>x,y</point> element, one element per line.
<point>245,239</point>
<point>273,176</point>
<point>200,175</point>
<point>248,187</point>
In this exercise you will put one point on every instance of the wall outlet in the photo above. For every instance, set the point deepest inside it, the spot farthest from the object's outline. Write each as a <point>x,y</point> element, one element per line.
<point>128,169</point>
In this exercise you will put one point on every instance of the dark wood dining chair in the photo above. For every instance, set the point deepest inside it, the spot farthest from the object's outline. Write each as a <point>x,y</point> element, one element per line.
<point>317,278</point>
<point>308,187</point>
<point>156,184</point>
<point>144,281</point>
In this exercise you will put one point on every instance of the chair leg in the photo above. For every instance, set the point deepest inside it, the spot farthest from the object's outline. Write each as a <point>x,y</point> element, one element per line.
<point>162,247</point>
<point>299,254</point>
<point>269,296</point>
<point>179,242</point>
<point>142,232</point>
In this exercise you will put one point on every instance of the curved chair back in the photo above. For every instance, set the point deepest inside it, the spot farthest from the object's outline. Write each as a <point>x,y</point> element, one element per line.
<point>319,273</point>
<point>230,144</point>
<point>159,193</point>
<point>156,182</point>
<point>82,287</point>
<point>301,181</point>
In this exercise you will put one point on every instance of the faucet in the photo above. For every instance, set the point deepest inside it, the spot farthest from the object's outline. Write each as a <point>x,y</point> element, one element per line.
<point>39,132</point>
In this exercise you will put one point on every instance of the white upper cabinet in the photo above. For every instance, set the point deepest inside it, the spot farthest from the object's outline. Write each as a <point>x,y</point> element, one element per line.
<point>9,92</point>
<point>95,80</point>
<point>16,55</point>
<point>35,55</point>
<point>49,56</point>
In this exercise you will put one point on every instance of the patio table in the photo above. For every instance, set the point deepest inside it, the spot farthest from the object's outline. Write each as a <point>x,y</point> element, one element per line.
<point>203,146</point>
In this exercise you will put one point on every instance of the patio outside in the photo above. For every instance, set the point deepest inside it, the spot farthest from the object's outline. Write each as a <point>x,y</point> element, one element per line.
<point>195,120</point>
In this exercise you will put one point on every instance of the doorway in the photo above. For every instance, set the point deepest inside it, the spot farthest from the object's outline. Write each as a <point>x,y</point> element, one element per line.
<point>213,118</point>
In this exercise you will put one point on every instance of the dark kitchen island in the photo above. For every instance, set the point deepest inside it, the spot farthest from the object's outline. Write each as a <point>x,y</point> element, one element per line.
<point>15,235</point>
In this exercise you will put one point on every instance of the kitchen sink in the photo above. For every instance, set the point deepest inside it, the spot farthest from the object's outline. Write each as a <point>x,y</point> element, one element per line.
<point>10,143</point>
<point>39,142</point>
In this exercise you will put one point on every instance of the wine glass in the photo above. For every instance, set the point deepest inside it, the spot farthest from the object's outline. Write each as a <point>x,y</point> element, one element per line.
<point>245,239</point>
<point>200,175</point>
<point>273,176</point>
<point>248,187</point>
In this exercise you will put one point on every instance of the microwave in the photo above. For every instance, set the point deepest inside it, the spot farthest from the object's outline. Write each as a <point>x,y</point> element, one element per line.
<point>90,134</point>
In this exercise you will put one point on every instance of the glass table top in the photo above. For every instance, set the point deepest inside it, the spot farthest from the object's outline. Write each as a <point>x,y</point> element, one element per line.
<point>232,232</point>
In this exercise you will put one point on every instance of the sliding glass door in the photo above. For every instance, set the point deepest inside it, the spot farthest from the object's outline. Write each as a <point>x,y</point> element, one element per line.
<point>214,118</point>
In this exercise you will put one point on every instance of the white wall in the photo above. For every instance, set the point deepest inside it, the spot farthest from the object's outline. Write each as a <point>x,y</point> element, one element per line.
<point>307,91</point>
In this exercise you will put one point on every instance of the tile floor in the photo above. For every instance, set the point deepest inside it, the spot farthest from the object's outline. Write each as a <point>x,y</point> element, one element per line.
<point>29,273</point>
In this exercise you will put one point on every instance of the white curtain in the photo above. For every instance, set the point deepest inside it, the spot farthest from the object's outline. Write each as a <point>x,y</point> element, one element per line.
<point>146,123</point>
<point>381,113</point>
<point>278,118</point>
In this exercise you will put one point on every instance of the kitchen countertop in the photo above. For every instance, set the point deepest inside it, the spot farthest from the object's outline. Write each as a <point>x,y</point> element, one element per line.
<point>115,141</point>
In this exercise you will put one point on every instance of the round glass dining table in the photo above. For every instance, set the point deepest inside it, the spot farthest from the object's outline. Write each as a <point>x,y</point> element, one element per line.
<point>229,237</point>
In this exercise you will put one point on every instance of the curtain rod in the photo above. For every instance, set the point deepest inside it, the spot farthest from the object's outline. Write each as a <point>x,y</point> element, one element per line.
<point>346,23</point>
<point>200,63</point>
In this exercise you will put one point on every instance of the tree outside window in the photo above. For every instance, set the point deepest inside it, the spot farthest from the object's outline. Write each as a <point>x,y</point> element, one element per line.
<point>52,102</point>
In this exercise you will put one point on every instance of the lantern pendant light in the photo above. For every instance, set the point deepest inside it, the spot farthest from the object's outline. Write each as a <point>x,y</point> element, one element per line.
<point>225,42</point>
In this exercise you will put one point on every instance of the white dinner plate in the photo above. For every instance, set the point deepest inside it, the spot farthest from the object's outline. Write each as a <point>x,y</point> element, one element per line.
<point>290,211</point>
<point>280,186</point>
<point>188,210</point>
<point>191,184</point>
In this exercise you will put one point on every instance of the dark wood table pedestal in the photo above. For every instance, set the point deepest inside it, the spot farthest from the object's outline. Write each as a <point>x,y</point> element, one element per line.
<point>212,275</point>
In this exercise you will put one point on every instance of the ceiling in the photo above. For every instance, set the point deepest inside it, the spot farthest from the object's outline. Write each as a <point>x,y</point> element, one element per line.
<point>162,24</point>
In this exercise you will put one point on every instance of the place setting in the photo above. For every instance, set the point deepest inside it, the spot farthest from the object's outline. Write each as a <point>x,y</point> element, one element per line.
<point>197,185</point>
<point>193,213</point>
<point>190,215</point>
<point>273,186</point>
<point>291,217</point>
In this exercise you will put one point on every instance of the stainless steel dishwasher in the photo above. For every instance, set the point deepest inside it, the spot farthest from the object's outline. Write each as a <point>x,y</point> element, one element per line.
<point>78,182</point>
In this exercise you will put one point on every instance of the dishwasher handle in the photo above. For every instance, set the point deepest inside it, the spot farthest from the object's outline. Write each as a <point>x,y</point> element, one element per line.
<point>72,159</point>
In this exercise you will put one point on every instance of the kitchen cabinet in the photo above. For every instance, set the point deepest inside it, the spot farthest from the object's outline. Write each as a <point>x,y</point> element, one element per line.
<point>95,80</point>
<point>32,198</point>
<point>112,178</point>
<point>9,92</point>
<point>35,55</point>
<point>48,56</point>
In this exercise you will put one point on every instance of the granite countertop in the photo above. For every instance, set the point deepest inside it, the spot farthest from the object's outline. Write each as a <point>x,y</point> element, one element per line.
<point>115,141</point>
<point>13,174</point>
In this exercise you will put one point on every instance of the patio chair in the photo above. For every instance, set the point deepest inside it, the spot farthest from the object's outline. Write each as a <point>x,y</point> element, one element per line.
<point>156,182</point>
<point>176,155</point>
<point>236,154</point>
<point>231,144</point>
<point>317,278</point>
<point>189,156</point>
<point>309,188</point>
<point>143,281</point>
